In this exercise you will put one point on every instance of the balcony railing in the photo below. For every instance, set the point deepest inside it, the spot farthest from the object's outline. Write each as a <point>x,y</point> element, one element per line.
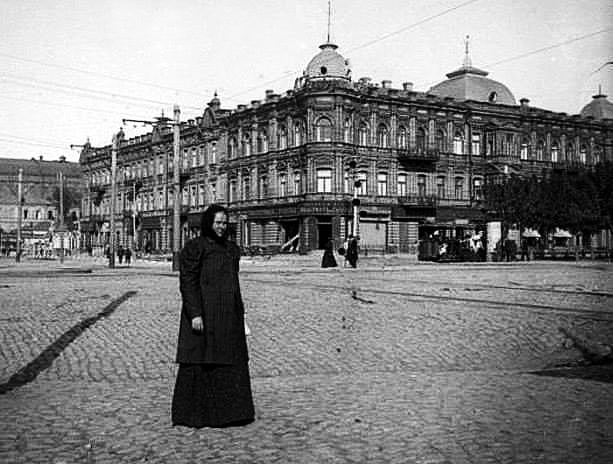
<point>419,154</point>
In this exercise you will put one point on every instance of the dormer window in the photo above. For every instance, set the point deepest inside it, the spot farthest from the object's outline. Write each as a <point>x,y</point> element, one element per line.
<point>323,70</point>
<point>493,96</point>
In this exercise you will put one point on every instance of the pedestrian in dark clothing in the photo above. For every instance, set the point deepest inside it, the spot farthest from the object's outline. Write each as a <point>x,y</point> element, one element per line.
<point>120,254</point>
<point>128,255</point>
<point>328,258</point>
<point>352,251</point>
<point>213,388</point>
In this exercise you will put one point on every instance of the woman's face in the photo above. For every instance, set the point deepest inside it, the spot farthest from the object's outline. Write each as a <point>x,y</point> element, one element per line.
<point>220,223</point>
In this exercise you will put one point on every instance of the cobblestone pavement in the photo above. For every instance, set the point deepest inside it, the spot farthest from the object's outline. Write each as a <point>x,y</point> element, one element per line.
<point>392,362</point>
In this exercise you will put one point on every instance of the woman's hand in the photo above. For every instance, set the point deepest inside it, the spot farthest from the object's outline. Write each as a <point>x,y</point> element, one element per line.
<point>197,324</point>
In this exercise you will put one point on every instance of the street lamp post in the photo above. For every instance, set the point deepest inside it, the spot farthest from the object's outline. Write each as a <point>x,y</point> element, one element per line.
<point>355,202</point>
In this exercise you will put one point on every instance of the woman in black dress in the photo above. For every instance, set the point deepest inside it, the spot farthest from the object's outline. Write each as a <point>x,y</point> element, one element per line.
<point>213,388</point>
<point>328,257</point>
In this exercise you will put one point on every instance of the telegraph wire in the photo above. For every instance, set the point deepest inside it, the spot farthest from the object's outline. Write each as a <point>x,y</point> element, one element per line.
<point>106,76</point>
<point>23,142</point>
<point>65,105</point>
<point>94,91</point>
<point>364,45</point>
<point>550,47</point>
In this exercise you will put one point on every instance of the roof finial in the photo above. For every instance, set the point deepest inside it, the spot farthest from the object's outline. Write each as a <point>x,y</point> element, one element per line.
<point>467,62</point>
<point>599,89</point>
<point>329,10</point>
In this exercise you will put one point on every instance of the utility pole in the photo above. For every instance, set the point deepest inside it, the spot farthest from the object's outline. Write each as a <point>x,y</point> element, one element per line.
<point>114,149</point>
<point>19,213</point>
<point>355,202</point>
<point>61,228</point>
<point>176,136</point>
<point>176,224</point>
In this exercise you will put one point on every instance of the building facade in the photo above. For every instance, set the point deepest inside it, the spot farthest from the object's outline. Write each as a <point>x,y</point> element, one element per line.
<point>289,166</point>
<point>40,204</point>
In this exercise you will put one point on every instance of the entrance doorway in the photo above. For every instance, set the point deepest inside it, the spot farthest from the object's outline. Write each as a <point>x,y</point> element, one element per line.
<point>324,233</point>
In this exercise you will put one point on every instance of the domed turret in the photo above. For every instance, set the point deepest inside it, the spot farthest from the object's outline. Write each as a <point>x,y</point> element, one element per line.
<point>598,108</point>
<point>328,64</point>
<point>470,83</point>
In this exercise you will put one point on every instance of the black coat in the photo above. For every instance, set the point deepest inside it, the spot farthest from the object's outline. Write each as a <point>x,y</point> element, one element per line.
<point>210,289</point>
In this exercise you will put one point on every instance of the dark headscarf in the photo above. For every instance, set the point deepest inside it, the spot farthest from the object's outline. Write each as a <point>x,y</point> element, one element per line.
<point>206,224</point>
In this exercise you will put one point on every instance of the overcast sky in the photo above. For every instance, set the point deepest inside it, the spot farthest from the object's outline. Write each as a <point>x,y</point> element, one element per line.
<point>73,69</point>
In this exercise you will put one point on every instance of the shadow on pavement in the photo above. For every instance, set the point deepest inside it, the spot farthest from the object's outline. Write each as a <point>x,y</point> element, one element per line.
<point>597,373</point>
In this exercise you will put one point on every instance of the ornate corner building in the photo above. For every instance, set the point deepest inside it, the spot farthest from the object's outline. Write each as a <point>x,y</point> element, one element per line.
<point>286,166</point>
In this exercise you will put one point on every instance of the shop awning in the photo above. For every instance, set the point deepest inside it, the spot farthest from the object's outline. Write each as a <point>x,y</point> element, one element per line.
<point>562,234</point>
<point>529,233</point>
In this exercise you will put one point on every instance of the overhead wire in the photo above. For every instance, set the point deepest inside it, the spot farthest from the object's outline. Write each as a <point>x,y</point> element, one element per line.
<point>106,76</point>
<point>366,44</point>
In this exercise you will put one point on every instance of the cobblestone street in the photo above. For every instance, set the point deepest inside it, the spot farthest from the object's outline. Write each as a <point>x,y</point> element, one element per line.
<point>392,362</point>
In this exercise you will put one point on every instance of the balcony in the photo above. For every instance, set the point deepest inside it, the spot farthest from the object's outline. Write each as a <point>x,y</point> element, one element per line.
<point>419,154</point>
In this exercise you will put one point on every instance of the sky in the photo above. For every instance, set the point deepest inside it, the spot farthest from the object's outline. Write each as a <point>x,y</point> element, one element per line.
<point>73,69</point>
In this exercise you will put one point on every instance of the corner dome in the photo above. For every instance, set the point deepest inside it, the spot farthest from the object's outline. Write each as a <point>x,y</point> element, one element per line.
<point>469,83</point>
<point>598,108</point>
<point>328,63</point>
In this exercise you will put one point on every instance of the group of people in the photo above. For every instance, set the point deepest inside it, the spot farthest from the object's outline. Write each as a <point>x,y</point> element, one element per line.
<point>122,253</point>
<point>349,250</point>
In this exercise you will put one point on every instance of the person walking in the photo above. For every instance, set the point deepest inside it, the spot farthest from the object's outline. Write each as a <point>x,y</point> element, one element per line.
<point>120,254</point>
<point>328,257</point>
<point>213,387</point>
<point>128,255</point>
<point>352,251</point>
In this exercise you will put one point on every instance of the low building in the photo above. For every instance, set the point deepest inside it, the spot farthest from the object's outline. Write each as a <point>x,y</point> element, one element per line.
<point>39,204</point>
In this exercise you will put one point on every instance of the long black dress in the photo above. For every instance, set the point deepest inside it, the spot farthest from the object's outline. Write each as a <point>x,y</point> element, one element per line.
<point>213,387</point>
<point>328,258</point>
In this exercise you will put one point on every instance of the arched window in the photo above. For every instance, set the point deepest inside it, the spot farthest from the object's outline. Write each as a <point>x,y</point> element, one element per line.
<point>523,153</point>
<point>246,188</point>
<point>402,137</point>
<point>382,136</point>
<point>363,178</point>
<point>420,140</point>
<point>363,134</point>
<point>297,183</point>
<point>323,130</point>
<point>232,147</point>
<point>540,149</point>
<point>402,184</point>
<point>264,187</point>
<point>555,152</point>
<point>478,188</point>
<point>458,143</point>
<point>382,184</point>
<point>233,191</point>
<point>298,133</point>
<point>583,154</point>
<point>262,141</point>
<point>282,185</point>
<point>246,145</point>
<point>597,154</point>
<point>459,188</point>
<point>421,185</point>
<point>281,138</point>
<point>440,187</point>
<point>570,152</point>
<point>347,129</point>
<point>440,141</point>
<point>476,144</point>
<point>38,214</point>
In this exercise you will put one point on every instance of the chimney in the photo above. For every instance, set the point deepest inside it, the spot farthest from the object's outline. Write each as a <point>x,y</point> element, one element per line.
<point>364,80</point>
<point>269,93</point>
<point>255,103</point>
<point>62,159</point>
<point>408,86</point>
<point>524,102</point>
<point>386,84</point>
<point>40,158</point>
<point>241,107</point>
